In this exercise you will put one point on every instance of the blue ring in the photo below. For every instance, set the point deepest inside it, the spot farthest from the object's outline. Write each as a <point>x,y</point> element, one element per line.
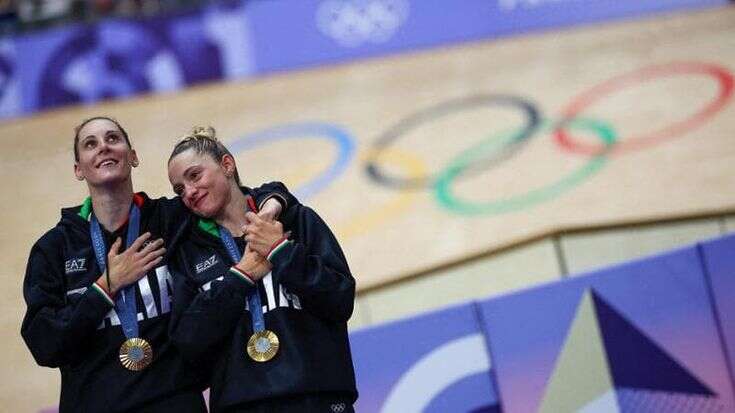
<point>338,135</point>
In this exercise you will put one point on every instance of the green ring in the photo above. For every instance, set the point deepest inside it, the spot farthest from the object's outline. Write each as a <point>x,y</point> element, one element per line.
<point>442,187</point>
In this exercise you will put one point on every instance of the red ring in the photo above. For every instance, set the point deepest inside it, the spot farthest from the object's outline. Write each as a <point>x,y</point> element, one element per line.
<point>632,143</point>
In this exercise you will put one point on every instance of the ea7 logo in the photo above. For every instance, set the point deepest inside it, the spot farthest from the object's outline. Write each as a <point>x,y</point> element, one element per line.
<point>203,266</point>
<point>75,265</point>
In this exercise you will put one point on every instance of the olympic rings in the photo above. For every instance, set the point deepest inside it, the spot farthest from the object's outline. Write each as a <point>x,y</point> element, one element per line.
<point>498,148</point>
<point>447,199</point>
<point>723,77</point>
<point>442,109</point>
<point>340,137</point>
<point>375,215</point>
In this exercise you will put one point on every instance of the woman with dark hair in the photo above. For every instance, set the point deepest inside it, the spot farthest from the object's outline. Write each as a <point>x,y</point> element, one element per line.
<point>98,288</point>
<point>265,311</point>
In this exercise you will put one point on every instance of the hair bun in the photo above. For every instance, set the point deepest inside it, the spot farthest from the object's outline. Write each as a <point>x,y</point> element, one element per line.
<point>205,132</point>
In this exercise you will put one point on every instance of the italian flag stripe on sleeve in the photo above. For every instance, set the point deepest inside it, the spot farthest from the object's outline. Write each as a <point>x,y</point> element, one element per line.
<point>103,293</point>
<point>278,246</point>
<point>240,274</point>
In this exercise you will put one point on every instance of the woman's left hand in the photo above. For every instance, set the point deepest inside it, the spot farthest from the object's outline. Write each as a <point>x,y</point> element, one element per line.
<point>260,234</point>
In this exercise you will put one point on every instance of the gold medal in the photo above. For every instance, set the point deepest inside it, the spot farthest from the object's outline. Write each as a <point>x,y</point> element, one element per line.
<point>263,345</point>
<point>136,354</point>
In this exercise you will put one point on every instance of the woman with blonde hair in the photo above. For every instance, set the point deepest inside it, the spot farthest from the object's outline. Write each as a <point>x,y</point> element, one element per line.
<point>265,310</point>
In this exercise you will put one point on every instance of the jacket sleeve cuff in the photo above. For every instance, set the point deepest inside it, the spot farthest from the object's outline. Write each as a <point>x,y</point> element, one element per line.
<point>242,275</point>
<point>280,246</point>
<point>102,294</point>
<point>280,198</point>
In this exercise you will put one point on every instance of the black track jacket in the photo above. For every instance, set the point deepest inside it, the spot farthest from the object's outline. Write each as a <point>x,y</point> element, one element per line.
<point>71,325</point>
<point>307,299</point>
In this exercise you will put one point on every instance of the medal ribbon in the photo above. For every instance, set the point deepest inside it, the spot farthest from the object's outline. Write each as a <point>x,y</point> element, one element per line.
<point>125,304</point>
<point>256,310</point>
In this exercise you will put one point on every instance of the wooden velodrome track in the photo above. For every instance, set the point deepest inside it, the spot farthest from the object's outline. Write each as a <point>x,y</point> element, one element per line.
<point>462,142</point>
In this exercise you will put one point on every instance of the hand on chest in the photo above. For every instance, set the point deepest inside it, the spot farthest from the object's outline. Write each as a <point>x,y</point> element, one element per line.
<point>153,292</point>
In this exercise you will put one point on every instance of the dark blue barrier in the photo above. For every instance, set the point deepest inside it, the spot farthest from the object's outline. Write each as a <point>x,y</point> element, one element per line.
<point>637,336</point>
<point>119,58</point>
<point>719,263</point>
<point>338,30</point>
<point>642,336</point>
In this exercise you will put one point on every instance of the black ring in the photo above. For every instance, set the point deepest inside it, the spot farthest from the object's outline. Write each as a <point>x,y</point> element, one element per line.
<point>533,119</point>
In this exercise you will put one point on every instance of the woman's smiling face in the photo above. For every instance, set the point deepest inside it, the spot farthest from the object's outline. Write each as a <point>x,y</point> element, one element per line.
<point>202,183</point>
<point>105,157</point>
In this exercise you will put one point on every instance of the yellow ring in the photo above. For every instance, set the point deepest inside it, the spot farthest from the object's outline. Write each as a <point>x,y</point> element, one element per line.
<point>361,223</point>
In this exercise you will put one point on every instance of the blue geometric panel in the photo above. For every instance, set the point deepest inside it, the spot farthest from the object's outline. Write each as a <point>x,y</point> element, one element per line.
<point>718,258</point>
<point>436,362</point>
<point>636,361</point>
<point>637,337</point>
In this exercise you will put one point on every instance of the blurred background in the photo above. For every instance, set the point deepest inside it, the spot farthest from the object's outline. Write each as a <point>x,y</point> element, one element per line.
<point>533,195</point>
<point>21,16</point>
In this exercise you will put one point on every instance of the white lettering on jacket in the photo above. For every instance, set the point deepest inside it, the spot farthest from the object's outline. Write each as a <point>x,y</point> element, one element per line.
<point>206,264</point>
<point>75,265</point>
<point>165,282</point>
<point>284,299</point>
